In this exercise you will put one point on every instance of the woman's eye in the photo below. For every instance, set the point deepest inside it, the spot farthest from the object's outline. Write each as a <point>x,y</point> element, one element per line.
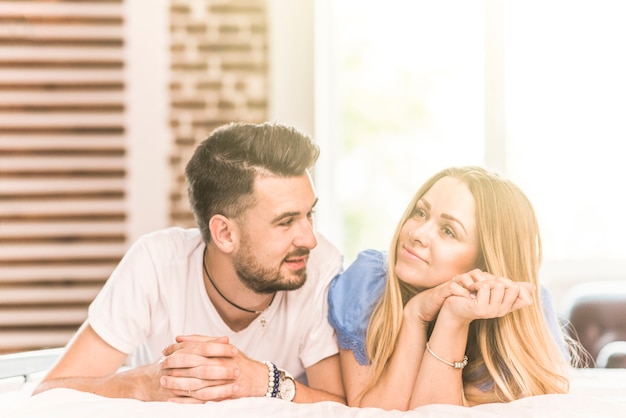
<point>421,213</point>
<point>448,232</point>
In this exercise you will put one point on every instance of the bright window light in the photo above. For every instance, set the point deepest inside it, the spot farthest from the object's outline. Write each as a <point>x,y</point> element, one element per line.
<point>412,88</point>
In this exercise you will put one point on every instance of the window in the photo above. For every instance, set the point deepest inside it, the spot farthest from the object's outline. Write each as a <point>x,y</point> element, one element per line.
<point>565,101</point>
<point>408,85</point>
<point>534,90</point>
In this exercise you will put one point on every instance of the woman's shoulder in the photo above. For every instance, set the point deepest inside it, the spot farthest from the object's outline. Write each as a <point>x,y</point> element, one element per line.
<point>352,297</point>
<point>366,274</point>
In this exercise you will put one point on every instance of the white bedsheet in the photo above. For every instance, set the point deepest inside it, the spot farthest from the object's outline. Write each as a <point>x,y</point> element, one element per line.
<point>595,393</point>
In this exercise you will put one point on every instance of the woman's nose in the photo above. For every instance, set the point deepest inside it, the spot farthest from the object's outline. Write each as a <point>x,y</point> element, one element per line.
<point>420,233</point>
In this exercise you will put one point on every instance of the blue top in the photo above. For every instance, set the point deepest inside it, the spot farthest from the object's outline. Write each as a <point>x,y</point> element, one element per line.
<point>354,293</point>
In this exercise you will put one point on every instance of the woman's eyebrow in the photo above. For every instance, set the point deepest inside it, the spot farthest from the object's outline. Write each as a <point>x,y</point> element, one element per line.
<point>453,219</point>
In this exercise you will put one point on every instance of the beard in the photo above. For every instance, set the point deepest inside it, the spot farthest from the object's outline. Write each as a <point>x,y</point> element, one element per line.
<point>267,280</point>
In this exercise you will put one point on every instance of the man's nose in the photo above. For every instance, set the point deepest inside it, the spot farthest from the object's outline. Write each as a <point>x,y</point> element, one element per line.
<point>306,235</point>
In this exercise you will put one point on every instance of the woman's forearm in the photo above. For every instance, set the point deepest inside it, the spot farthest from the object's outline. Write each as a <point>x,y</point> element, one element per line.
<point>394,388</point>
<point>438,381</point>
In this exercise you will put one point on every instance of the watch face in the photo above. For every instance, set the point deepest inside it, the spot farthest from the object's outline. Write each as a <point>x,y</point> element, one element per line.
<point>287,389</point>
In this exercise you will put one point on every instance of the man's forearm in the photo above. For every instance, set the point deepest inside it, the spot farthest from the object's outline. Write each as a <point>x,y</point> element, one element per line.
<point>141,383</point>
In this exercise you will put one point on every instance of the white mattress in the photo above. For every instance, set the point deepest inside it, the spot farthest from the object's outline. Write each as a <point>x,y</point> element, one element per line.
<point>595,393</point>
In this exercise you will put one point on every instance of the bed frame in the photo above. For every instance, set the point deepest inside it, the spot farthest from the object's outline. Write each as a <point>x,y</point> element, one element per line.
<point>27,363</point>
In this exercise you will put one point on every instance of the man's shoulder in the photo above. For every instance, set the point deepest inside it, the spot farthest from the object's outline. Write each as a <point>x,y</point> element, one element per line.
<point>174,234</point>
<point>325,246</point>
<point>325,260</point>
<point>173,241</point>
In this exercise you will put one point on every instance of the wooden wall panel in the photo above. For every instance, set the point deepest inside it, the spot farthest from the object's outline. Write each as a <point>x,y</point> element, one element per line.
<point>62,164</point>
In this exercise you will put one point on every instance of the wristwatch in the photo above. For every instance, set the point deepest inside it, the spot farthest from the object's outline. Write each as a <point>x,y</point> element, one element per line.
<point>286,386</point>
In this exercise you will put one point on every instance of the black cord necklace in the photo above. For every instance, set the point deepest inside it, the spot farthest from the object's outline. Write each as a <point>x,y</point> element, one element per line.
<point>224,297</point>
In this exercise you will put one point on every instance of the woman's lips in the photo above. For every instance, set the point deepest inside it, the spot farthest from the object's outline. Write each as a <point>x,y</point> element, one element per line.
<point>410,253</point>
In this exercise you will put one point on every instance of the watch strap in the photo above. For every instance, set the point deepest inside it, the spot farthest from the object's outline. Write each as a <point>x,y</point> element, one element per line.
<point>286,385</point>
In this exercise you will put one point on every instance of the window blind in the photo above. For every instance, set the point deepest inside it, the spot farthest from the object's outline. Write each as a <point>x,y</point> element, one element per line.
<point>62,164</point>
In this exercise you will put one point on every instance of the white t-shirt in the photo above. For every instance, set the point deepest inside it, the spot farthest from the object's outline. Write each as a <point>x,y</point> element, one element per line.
<point>157,292</point>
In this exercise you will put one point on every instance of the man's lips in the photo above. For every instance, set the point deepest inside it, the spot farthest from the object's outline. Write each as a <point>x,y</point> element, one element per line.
<point>300,259</point>
<point>297,262</point>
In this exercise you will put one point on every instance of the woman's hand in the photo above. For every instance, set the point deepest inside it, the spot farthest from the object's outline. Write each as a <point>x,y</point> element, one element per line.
<point>425,305</point>
<point>491,296</point>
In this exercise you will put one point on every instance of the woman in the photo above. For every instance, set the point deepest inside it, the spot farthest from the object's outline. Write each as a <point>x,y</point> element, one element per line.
<point>444,324</point>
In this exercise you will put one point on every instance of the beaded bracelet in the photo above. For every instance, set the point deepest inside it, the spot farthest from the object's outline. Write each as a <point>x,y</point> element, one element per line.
<point>457,364</point>
<point>272,379</point>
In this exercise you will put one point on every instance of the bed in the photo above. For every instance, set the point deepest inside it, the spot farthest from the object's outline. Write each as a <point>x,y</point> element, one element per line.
<point>595,392</point>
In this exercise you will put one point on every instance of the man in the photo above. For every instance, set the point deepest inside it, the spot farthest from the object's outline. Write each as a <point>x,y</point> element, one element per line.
<point>184,305</point>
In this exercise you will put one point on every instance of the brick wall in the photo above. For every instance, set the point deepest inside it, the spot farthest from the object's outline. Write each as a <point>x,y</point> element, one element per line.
<point>64,142</point>
<point>219,74</point>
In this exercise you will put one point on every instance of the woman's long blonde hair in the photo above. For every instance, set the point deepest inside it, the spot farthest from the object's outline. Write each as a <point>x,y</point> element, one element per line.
<point>517,353</point>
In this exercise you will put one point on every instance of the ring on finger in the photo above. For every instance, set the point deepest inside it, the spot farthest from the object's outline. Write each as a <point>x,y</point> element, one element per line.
<point>188,392</point>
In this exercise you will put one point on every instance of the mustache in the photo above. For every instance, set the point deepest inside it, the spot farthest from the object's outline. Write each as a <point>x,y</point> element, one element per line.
<point>299,252</point>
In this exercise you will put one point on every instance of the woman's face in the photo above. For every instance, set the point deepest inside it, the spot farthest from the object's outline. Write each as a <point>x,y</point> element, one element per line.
<point>440,240</point>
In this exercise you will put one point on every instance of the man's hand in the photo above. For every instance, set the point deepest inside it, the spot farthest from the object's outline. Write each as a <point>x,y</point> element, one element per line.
<point>199,368</point>
<point>91,365</point>
<point>142,383</point>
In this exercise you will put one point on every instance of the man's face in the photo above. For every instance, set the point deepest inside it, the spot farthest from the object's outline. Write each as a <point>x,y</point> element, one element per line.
<point>276,234</point>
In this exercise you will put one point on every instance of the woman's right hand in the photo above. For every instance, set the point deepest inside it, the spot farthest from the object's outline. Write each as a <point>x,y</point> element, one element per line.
<point>425,305</point>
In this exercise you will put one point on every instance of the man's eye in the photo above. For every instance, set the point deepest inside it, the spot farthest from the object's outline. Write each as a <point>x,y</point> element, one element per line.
<point>286,222</point>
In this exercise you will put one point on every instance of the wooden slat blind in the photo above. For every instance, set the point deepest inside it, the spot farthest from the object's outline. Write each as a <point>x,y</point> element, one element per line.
<point>62,164</point>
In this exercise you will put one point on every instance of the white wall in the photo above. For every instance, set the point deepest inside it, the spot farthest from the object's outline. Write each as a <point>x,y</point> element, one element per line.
<point>147,125</point>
